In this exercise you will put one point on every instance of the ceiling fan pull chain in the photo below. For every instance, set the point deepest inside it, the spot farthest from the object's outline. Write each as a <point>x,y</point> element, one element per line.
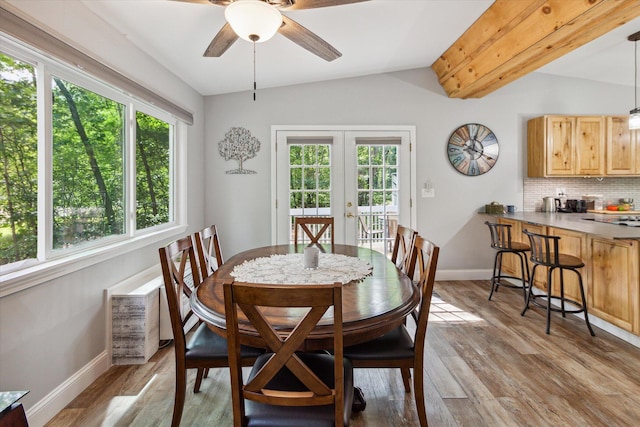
<point>254,70</point>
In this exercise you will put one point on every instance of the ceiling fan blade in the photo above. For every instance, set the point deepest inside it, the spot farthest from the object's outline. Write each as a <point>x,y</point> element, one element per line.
<point>308,40</point>
<point>221,42</point>
<point>313,4</point>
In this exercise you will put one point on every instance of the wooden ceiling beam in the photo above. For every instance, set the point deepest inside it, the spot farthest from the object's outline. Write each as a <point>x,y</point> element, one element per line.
<point>514,38</point>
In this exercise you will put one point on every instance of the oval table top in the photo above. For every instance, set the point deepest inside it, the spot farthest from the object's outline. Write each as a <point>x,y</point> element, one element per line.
<point>371,306</point>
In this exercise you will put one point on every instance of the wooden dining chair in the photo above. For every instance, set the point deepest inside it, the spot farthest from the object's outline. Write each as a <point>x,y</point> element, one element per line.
<point>314,228</point>
<point>208,250</point>
<point>287,387</point>
<point>398,348</point>
<point>204,349</point>
<point>402,248</point>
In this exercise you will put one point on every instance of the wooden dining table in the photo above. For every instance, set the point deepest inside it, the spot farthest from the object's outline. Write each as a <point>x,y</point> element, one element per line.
<point>372,306</point>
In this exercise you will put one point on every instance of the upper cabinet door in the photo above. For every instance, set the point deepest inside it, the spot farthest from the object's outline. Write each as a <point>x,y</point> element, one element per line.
<point>560,133</point>
<point>589,146</point>
<point>623,153</point>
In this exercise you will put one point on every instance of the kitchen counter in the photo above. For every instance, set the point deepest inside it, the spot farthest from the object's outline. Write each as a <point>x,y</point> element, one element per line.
<point>576,222</point>
<point>611,274</point>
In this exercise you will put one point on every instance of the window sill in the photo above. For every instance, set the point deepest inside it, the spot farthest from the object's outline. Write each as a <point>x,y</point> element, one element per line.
<point>26,278</point>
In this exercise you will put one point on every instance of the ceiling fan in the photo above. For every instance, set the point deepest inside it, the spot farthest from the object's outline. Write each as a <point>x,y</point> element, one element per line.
<point>288,28</point>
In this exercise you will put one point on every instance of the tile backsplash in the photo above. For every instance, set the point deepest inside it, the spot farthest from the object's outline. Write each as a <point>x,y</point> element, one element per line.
<point>611,188</point>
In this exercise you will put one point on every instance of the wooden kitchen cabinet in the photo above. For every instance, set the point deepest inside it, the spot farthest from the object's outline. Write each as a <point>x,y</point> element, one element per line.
<point>550,146</point>
<point>566,146</point>
<point>589,146</point>
<point>622,147</point>
<point>614,285</point>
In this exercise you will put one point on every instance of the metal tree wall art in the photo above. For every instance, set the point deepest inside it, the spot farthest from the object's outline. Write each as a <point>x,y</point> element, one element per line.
<point>238,144</point>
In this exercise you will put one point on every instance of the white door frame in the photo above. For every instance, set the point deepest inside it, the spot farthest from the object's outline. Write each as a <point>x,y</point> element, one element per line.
<point>328,129</point>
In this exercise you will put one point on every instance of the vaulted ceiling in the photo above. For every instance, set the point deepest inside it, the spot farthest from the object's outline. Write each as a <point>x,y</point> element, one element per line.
<point>374,36</point>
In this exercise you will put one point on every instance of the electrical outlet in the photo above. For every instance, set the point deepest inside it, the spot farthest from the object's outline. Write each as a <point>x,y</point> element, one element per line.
<point>560,192</point>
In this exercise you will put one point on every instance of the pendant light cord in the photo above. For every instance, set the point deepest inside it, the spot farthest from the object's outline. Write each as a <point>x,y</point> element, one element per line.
<point>635,73</point>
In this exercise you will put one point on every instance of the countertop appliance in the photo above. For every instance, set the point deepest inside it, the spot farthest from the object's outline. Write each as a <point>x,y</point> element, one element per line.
<point>549,204</point>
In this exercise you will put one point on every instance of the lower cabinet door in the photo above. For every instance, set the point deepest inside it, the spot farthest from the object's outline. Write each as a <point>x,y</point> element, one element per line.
<point>614,286</point>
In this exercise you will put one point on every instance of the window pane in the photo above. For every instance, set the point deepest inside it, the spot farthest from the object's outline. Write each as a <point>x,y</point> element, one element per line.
<point>324,178</point>
<point>295,155</point>
<point>363,178</point>
<point>391,155</point>
<point>323,155</point>
<point>310,157</point>
<point>19,160</point>
<point>152,171</point>
<point>88,165</point>
<point>310,179</point>
<point>295,180</point>
<point>376,154</point>
<point>363,154</point>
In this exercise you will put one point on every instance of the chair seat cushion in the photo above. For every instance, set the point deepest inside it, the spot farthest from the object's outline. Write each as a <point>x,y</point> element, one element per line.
<point>263,415</point>
<point>396,344</point>
<point>206,344</point>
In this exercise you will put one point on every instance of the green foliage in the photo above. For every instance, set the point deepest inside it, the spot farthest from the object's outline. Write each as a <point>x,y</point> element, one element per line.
<point>88,165</point>
<point>19,160</point>
<point>152,171</point>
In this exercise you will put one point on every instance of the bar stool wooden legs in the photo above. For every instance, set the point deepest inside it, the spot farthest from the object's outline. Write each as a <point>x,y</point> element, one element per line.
<point>544,251</point>
<point>502,243</point>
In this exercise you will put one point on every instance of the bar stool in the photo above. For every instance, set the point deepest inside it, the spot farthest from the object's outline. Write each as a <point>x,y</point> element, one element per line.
<point>544,251</point>
<point>502,243</point>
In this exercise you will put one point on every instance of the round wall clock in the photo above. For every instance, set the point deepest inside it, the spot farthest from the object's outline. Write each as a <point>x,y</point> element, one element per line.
<point>473,149</point>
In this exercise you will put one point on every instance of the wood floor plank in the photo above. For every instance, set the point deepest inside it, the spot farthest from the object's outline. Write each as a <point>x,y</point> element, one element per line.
<point>485,365</point>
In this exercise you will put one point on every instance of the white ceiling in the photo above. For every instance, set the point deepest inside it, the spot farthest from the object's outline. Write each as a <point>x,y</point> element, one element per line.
<point>375,36</point>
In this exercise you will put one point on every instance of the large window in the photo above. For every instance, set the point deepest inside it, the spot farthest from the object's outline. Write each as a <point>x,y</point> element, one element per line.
<point>105,156</point>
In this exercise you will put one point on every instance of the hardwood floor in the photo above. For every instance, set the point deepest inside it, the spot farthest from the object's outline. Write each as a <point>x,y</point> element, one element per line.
<point>487,366</point>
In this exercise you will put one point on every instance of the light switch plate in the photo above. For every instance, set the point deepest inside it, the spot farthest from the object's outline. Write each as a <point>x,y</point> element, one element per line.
<point>428,192</point>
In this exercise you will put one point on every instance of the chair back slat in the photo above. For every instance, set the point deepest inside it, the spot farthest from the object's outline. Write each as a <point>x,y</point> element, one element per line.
<point>207,242</point>
<point>314,229</point>
<point>402,249</point>
<point>544,248</point>
<point>500,235</point>
<point>181,277</point>
<point>425,258</point>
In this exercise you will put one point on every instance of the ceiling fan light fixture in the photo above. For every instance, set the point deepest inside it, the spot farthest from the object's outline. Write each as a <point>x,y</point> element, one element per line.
<point>253,20</point>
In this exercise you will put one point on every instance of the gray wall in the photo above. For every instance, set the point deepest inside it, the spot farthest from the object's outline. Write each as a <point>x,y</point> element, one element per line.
<point>240,205</point>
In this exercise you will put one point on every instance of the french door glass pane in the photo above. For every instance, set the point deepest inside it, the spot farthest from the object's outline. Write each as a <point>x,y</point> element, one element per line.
<point>88,165</point>
<point>309,181</point>
<point>377,195</point>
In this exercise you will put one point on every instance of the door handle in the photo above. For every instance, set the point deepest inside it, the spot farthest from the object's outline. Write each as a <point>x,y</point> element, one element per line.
<point>350,215</point>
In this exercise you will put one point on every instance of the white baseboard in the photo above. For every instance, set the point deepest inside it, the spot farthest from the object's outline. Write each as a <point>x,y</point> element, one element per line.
<point>59,398</point>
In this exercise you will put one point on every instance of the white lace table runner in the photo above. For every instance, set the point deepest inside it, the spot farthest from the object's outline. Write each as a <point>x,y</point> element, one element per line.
<point>289,269</point>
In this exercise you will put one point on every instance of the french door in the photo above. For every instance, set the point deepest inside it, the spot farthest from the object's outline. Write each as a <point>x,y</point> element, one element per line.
<point>360,176</point>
